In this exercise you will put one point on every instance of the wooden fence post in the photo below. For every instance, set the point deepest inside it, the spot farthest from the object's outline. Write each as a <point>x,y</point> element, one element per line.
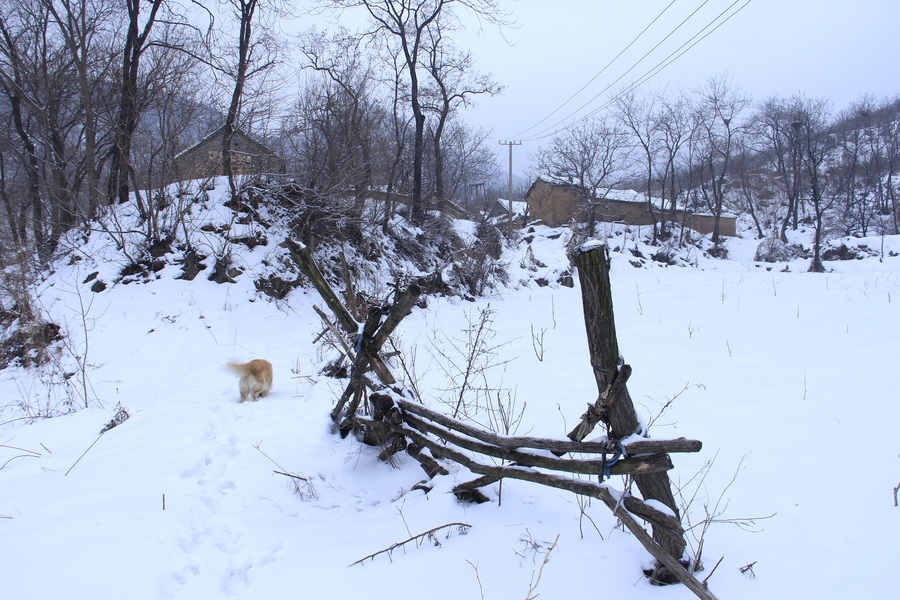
<point>592,261</point>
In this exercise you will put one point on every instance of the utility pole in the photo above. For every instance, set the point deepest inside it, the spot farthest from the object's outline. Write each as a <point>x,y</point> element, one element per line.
<point>510,143</point>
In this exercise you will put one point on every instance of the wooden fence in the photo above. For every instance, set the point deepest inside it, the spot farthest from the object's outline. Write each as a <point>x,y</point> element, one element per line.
<point>398,422</point>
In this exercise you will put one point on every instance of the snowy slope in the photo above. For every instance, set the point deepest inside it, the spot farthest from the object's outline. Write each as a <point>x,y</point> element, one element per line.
<point>789,379</point>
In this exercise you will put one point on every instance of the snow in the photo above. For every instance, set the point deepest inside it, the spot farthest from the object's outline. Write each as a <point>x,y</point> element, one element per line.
<point>788,378</point>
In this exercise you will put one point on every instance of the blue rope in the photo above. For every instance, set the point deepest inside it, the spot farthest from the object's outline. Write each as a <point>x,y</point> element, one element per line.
<point>607,464</point>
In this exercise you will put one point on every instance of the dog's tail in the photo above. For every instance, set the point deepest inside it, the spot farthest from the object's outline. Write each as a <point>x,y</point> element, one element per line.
<point>236,367</point>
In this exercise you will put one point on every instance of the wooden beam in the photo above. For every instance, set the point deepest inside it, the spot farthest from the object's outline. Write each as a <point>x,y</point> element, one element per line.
<point>650,464</point>
<point>594,490</point>
<point>303,258</point>
<point>653,446</point>
<point>502,441</point>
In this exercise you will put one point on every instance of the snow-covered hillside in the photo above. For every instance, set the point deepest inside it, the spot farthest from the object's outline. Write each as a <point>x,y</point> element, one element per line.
<point>790,379</point>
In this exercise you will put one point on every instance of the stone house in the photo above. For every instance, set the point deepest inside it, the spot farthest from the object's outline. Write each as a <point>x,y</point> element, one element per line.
<point>558,203</point>
<point>248,157</point>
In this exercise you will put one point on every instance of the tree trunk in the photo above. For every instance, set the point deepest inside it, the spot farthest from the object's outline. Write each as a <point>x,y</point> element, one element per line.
<point>592,262</point>
<point>120,167</point>
<point>32,171</point>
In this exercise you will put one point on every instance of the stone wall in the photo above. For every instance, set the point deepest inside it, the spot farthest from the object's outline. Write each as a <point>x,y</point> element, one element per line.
<point>248,157</point>
<point>556,204</point>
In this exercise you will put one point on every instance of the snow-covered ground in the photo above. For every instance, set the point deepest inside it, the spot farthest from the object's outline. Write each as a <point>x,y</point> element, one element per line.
<point>790,380</point>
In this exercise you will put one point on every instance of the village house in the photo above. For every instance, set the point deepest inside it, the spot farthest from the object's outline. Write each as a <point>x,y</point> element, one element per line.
<point>248,157</point>
<point>558,203</point>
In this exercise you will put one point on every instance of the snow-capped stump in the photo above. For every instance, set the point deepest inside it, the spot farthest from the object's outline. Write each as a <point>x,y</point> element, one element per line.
<point>399,421</point>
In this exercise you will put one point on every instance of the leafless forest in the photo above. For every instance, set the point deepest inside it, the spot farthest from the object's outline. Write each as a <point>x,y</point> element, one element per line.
<point>98,98</point>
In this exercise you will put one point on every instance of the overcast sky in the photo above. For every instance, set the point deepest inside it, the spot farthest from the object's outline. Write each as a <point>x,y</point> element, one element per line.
<point>835,49</point>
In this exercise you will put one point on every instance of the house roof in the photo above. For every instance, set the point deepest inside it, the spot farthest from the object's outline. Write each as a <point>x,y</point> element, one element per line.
<point>519,207</point>
<point>262,149</point>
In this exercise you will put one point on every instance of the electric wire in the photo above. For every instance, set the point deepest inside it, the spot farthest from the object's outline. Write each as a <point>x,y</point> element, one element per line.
<point>670,59</point>
<point>599,73</point>
<point>665,62</point>
<point>631,68</point>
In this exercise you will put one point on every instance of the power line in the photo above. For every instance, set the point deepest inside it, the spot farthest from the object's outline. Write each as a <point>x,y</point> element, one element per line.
<point>629,70</point>
<point>669,59</point>
<point>603,70</point>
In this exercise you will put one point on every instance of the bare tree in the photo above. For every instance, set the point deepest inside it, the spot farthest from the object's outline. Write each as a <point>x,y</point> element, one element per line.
<point>467,159</point>
<point>637,114</point>
<point>890,134</point>
<point>406,25</point>
<point>38,82</point>
<point>776,126</point>
<point>816,147</point>
<point>13,89</point>
<point>862,156</point>
<point>589,154</point>
<point>398,138</point>
<point>719,108</point>
<point>745,160</point>
<point>347,103</point>
<point>137,37</point>
<point>255,51</point>
<point>172,106</point>
<point>675,127</point>
<point>81,25</point>
<point>455,85</point>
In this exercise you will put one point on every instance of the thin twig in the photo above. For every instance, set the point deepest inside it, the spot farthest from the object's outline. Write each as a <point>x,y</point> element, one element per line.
<point>477,577</point>
<point>292,475</point>
<point>424,534</point>
<point>532,587</point>
<point>83,453</point>
<point>713,571</point>
<point>749,568</point>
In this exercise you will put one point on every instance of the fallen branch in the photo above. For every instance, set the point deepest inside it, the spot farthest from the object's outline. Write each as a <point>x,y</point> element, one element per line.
<point>463,528</point>
<point>596,412</point>
<point>582,466</point>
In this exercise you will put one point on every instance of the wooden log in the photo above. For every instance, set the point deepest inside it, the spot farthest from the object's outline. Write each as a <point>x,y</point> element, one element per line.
<point>592,262</point>
<point>403,303</point>
<point>385,409</point>
<point>626,466</point>
<point>468,491</point>
<point>303,258</point>
<point>352,394</point>
<point>502,441</point>
<point>432,467</point>
<point>597,411</point>
<point>650,464</point>
<point>577,486</point>
<point>648,446</point>
<point>594,490</point>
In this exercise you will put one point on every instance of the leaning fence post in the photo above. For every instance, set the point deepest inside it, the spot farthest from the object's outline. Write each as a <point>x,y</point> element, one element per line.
<point>592,261</point>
